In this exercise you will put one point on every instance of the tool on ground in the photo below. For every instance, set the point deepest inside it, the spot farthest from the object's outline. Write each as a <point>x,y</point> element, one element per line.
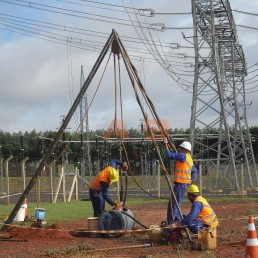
<point>166,234</point>
<point>119,247</point>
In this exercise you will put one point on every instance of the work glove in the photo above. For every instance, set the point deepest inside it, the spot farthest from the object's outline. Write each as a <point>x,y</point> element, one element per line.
<point>125,166</point>
<point>119,206</point>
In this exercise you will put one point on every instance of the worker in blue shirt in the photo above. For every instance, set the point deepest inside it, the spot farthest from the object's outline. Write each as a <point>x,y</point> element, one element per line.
<point>100,184</point>
<point>201,215</point>
<point>185,174</point>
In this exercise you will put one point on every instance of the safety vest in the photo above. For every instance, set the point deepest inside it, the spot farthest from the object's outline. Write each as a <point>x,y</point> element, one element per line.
<point>207,215</point>
<point>183,170</point>
<point>102,176</point>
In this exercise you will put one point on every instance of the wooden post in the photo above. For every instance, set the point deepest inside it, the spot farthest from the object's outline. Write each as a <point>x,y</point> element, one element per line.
<point>64,168</point>
<point>6,163</point>
<point>72,187</point>
<point>51,165</point>
<point>76,185</point>
<point>158,172</point>
<point>58,186</point>
<point>23,171</point>
<point>200,173</point>
<point>38,184</point>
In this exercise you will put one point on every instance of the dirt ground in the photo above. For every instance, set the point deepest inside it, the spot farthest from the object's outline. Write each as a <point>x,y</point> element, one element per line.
<point>55,240</point>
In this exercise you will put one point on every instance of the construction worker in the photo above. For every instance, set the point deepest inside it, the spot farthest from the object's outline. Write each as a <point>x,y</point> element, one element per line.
<point>100,184</point>
<point>185,174</point>
<point>201,215</point>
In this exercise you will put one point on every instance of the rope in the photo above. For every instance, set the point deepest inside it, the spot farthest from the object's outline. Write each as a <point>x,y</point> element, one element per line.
<point>136,182</point>
<point>77,129</point>
<point>115,92</point>
<point>121,99</point>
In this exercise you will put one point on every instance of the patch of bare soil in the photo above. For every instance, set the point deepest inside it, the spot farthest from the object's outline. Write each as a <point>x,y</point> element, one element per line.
<point>36,242</point>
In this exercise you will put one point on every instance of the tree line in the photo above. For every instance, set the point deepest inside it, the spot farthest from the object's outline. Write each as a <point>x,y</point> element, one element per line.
<point>34,144</point>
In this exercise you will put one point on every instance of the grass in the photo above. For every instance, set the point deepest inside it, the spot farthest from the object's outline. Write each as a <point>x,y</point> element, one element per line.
<point>75,210</point>
<point>67,211</point>
<point>75,249</point>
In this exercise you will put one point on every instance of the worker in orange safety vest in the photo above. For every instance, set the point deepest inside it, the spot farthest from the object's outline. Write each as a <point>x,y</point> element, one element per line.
<point>201,215</point>
<point>100,184</point>
<point>185,174</point>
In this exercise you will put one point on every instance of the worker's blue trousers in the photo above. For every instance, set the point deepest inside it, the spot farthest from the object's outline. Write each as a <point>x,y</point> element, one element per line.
<point>180,192</point>
<point>98,202</point>
<point>196,226</point>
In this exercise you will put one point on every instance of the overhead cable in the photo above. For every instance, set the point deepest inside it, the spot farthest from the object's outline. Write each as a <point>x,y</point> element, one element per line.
<point>172,45</point>
<point>244,12</point>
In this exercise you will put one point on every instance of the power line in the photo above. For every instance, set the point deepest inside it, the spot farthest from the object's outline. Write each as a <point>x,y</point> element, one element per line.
<point>103,18</point>
<point>171,45</point>
<point>78,14</point>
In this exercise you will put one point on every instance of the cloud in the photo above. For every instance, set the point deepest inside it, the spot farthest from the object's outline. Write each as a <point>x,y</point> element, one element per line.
<point>40,79</point>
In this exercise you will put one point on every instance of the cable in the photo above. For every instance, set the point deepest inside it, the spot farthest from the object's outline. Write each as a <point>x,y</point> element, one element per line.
<point>78,14</point>
<point>98,7</point>
<point>244,12</point>
<point>134,219</point>
<point>167,67</point>
<point>247,27</point>
<point>172,45</point>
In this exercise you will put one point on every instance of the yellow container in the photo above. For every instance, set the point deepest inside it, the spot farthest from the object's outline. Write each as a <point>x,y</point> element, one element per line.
<point>93,225</point>
<point>155,233</point>
<point>207,238</point>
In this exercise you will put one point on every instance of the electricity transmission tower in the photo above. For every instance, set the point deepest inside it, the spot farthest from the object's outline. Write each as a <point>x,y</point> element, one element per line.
<point>218,103</point>
<point>86,168</point>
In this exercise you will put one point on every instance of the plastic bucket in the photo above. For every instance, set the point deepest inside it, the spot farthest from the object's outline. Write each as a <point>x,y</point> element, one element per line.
<point>20,214</point>
<point>39,213</point>
<point>93,225</point>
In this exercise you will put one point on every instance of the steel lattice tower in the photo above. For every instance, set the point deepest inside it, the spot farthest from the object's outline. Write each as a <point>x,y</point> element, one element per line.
<point>218,104</point>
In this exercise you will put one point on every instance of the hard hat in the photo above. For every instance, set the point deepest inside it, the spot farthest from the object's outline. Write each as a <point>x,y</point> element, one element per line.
<point>186,145</point>
<point>193,189</point>
<point>113,175</point>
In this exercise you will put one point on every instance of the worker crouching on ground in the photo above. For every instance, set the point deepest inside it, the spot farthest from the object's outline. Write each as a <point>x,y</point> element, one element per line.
<point>100,184</point>
<point>185,174</point>
<point>201,215</point>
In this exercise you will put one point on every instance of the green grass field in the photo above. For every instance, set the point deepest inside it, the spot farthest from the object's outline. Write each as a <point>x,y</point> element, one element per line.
<point>66,211</point>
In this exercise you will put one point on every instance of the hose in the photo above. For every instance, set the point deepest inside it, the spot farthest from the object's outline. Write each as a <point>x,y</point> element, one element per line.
<point>126,186</point>
<point>134,219</point>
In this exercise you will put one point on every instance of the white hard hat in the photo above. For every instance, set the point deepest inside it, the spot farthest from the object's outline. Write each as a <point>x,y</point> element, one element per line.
<point>186,145</point>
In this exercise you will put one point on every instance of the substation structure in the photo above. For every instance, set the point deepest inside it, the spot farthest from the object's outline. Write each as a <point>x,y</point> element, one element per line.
<point>218,102</point>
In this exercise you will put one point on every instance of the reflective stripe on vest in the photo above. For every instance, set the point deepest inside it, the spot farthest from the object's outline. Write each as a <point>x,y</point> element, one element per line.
<point>183,170</point>
<point>102,176</point>
<point>207,215</point>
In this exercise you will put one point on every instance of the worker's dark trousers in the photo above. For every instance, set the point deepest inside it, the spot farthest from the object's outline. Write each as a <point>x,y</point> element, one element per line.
<point>98,202</point>
<point>196,226</point>
<point>180,191</point>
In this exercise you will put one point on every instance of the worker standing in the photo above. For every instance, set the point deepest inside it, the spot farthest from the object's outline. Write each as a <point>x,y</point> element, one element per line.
<point>100,184</point>
<point>201,215</point>
<point>185,174</point>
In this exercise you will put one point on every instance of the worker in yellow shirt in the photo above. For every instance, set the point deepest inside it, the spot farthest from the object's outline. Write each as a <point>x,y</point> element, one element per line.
<point>201,215</point>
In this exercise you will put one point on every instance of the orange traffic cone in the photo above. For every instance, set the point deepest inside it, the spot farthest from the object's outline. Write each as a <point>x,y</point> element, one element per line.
<point>25,205</point>
<point>252,242</point>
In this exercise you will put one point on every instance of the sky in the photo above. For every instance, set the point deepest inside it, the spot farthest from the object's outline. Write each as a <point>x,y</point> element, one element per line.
<point>44,46</point>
